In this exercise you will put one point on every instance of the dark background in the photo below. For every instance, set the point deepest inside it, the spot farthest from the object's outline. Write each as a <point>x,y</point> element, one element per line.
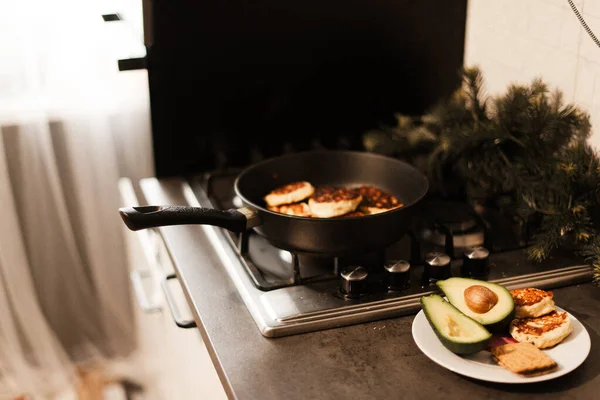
<point>232,82</point>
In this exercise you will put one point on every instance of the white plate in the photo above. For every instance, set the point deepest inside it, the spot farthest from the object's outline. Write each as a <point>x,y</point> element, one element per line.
<point>569,354</point>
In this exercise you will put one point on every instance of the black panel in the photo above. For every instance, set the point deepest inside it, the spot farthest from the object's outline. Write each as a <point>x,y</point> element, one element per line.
<point>228,77</point>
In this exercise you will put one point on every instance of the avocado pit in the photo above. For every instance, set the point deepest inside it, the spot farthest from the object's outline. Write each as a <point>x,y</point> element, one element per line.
<point>480,299</point>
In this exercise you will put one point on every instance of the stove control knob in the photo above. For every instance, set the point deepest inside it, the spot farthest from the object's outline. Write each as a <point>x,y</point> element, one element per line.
<point>353,281</point>
<point>476,263</point>
<point>437,266</point>
<point>398,274</point>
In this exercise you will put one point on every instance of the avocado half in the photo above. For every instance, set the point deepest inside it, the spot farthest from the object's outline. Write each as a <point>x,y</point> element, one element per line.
<point>457,332</point>
<point>495,319</point>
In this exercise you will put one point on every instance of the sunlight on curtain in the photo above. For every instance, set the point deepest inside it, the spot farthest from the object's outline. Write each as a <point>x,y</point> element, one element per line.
<point>70,126</point>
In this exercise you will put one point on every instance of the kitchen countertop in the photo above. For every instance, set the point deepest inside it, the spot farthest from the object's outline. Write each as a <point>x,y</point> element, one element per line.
<point>372,360</point>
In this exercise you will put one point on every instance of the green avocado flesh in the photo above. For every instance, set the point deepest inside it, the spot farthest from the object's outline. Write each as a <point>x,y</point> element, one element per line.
<point>457,332</point>
<point>496,318</point>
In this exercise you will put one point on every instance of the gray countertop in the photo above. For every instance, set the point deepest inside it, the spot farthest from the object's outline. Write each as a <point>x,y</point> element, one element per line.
<point>376,360</point>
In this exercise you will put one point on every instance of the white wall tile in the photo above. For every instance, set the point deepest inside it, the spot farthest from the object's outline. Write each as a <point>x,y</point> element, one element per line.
<point>587,74</point>
<point>493,28</point>
<point>515,41</point>
<point>588,48</point>
<point>571,31</point>
<point>596,98</point>
<point>590,8</point>
<point>545,22</point>
<point>565,4</point>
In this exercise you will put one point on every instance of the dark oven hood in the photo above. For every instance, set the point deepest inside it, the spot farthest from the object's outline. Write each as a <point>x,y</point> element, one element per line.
<point>233,82</point>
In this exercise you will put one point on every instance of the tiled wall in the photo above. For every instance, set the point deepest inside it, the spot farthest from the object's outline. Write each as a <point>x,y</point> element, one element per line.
<point>517,40</point>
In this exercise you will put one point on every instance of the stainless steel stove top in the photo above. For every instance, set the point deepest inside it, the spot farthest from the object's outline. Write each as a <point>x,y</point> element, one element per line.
<point>287,298</point>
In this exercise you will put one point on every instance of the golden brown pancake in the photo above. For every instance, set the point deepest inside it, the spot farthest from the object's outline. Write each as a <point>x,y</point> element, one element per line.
<point>297,209</point>
<point>376,200</point>
<point>328,201</point>
<point>326,194</point>
<point>290,193</point>
<point>531,302</point>
<point>542,332</point>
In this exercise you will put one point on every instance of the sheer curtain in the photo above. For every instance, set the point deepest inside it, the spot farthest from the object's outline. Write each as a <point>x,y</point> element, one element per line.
<point>70,126</point>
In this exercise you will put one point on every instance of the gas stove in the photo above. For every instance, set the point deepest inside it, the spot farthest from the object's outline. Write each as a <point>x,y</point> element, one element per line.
<point>288,293</point>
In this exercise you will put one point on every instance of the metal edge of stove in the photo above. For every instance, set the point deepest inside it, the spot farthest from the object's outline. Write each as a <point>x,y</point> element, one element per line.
<point>355,313</point>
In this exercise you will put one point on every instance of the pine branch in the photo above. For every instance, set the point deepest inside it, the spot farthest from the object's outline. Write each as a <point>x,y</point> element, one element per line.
<point>526,147</point>
<point>591,252</point>
<point>473,88</point>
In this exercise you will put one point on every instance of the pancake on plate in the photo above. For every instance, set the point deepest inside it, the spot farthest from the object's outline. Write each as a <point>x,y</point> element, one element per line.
<point>531,303</point>
<point>543,332</point>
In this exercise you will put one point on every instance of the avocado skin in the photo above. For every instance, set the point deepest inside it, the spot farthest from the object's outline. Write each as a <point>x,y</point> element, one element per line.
<point>457,348</point>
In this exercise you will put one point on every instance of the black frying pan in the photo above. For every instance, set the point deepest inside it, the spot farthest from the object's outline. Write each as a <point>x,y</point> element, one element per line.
<point>331,236</point>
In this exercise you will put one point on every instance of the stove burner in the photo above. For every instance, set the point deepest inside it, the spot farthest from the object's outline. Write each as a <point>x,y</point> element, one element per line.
<point>453,227</point>
<point>457,217</point>
<point>461,240</point>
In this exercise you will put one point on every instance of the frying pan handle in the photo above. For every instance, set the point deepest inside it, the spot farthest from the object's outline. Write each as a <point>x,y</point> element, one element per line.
<point>143,217</point>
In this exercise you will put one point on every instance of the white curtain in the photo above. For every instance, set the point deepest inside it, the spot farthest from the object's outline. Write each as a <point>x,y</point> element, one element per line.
<point>70,126</point>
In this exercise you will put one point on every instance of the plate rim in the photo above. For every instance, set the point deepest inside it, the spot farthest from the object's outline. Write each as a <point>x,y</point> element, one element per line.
<point>519,380</point>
